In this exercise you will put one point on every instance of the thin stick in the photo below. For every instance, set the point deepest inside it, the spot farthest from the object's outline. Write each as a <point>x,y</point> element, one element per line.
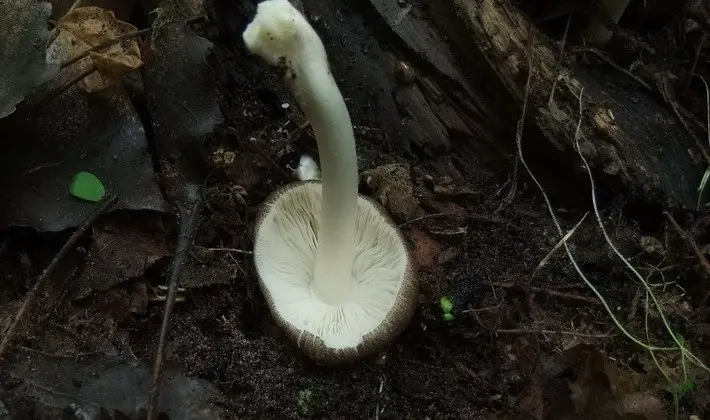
<point>235,250</point>
<point>558,245</point>
<point>470,216</point>
<point>76,79</point>
<point>522,331</point>
<point>74,5</point>
<point>606,59</point>
<point>426,216</point>
<point>103,45</point>
<point>68,246</point>
<point>120,38</point>
<point>695,61</point>
<point>565,295</point>
<point>561,332</point>
<point>189,215</point>
<point>691,242</point>
<point>559,61</point>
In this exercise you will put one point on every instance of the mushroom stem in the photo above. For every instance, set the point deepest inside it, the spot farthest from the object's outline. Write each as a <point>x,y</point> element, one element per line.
<point>282,36</point>
<point>597,29</point>
<point>321,101</point>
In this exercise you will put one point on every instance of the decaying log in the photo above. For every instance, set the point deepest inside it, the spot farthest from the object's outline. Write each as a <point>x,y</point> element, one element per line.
<point>629,133</point>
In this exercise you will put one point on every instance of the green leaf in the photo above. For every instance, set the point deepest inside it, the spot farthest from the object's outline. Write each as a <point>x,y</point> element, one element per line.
<point>87,186</point>
<point>446,305</point>
<point>448,317</point>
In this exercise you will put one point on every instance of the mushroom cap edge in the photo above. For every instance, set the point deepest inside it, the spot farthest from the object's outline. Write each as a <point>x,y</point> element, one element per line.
<point>394,323</point>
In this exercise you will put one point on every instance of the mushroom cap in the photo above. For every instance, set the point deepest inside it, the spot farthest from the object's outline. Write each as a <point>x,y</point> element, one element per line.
<point>382,302</point>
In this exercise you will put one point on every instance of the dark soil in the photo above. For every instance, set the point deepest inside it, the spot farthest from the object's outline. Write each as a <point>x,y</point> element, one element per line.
<point>465,235</point>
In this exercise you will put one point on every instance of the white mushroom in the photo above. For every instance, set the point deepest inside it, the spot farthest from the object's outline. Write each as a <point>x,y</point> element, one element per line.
<point>334,268</point>
<point>596,28</point>
<point>308,169</point>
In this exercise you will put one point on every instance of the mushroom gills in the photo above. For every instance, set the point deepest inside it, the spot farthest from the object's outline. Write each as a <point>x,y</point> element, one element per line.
<point>284,256</point>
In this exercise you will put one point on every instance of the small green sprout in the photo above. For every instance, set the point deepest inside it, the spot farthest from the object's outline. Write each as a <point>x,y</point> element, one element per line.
<point>446,306</point>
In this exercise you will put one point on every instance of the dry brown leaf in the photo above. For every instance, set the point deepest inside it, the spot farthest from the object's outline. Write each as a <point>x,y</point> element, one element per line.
<point>87,27</point>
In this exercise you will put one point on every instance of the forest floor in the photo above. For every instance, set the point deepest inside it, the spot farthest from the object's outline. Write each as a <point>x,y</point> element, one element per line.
<point>531,341</point>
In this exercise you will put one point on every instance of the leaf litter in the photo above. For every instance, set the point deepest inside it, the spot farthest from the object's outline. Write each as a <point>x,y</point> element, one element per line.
<point>84,29</point>
<point>184,166</point>
<point>81,121</point>
<point>121,251</point>
<point>23,56</point>
<point>74,133</point>
<point>182,99</point>
<point>86,387</point>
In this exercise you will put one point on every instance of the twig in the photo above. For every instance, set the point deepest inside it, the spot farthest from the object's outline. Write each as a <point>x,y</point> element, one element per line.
<point>557,246</point>
<point>68,246</point>
<point>523,331</point>
<point>235,250</point>
<point>559,62</point>
<point>189,212</point>
<point>426,216</point>
<point>691,242</point>
<point>74,5</point>
<point>695,60</point>
<point>561,332</point>
<point>63,88</point>
<point>606,59</point>
<point>120,38</point>
<point>471,216</point>
<point>703,182</point>
<point>551,292</point>
<point>110,42</point>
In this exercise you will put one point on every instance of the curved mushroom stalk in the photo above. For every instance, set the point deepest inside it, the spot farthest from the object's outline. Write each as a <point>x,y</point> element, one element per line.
<point>334,269</point>
<point>283,37</point>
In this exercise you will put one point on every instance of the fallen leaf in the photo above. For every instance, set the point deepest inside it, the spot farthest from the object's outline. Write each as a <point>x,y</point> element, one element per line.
<point>23,56</point>
<point>87,186</point>
<point>100,386</point>
<point>182,97</point>
<point>583,383</point>
<point>44,149</point>
<point>393,188</point>
<point>651,245</point>
<point>87,27</point>
<point>121,251</point>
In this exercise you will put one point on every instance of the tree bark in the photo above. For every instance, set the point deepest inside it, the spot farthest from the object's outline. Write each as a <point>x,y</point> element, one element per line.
<point>630,132</point>
<point>471,67</point>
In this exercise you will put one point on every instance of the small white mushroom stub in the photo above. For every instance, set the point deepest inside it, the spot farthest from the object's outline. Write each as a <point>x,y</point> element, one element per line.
<point>335,270</point>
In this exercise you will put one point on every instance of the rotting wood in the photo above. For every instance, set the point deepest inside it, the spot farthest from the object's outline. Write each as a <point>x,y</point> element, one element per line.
<point>437,113</point>
<point>469,63</point>
<point>629,135</point>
